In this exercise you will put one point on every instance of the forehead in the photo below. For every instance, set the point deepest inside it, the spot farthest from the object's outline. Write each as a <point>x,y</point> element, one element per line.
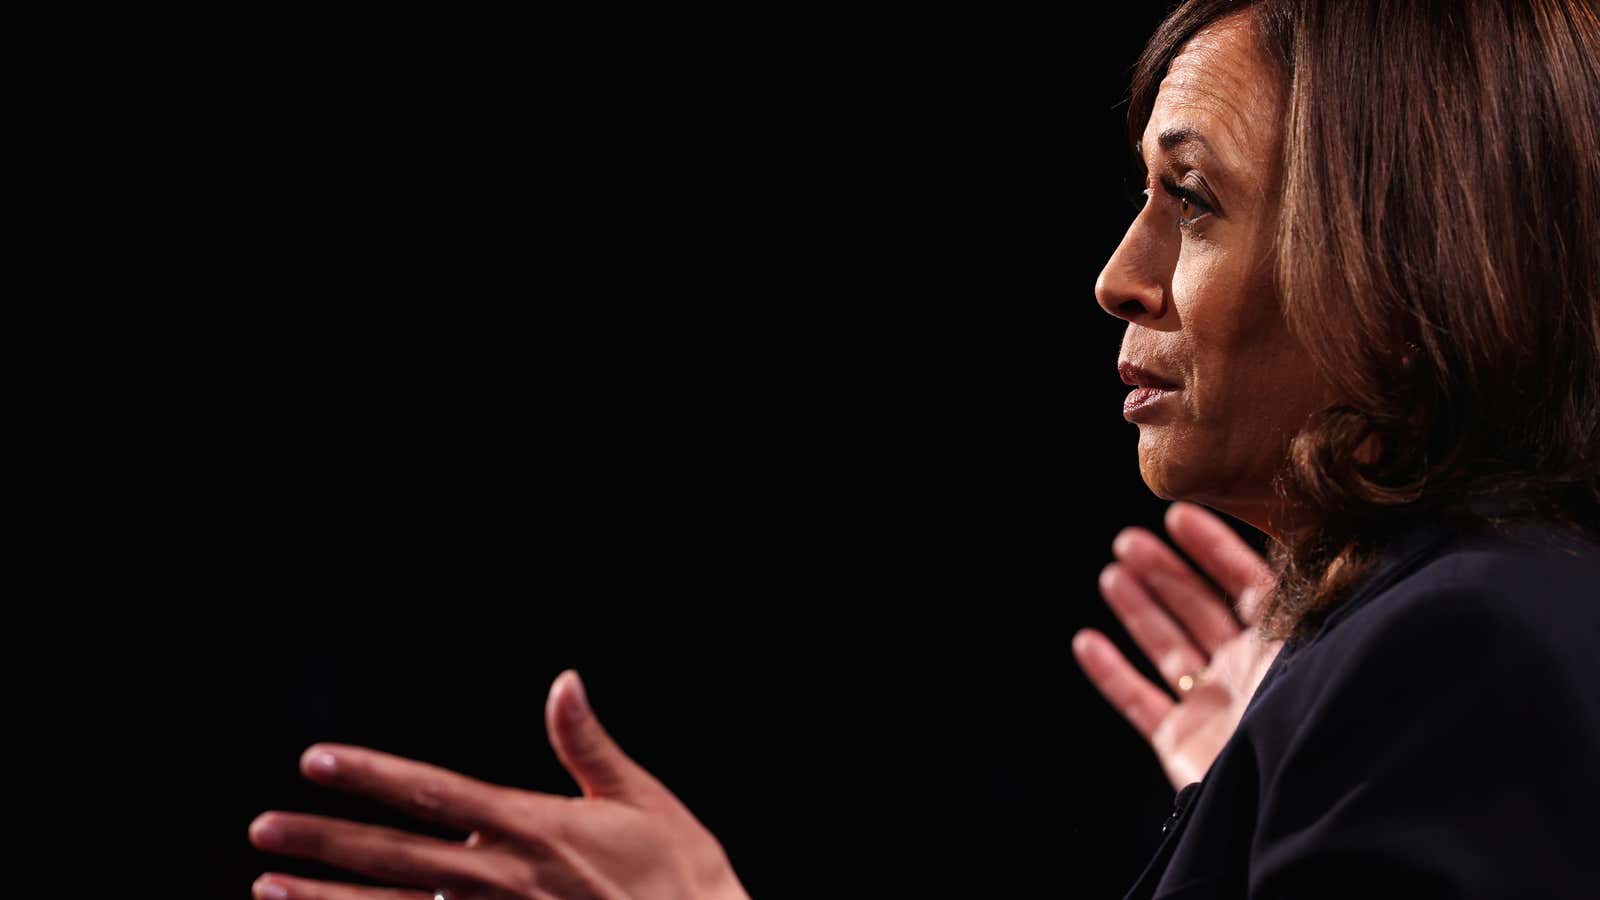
<point>1222,86</point>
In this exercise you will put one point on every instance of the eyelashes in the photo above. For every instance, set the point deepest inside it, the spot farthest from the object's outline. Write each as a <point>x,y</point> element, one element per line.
<point>1135,196</point>
<point>1187,200</point>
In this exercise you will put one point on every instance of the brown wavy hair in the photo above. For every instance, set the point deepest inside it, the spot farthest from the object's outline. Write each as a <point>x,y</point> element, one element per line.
<point>1437,252</point>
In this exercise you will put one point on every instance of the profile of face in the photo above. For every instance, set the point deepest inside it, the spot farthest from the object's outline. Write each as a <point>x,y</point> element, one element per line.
<point>1193,279</point>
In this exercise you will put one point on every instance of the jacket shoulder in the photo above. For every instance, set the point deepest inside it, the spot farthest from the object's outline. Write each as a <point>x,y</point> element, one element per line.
<point>1476,607</point>
<point>1538,585</point>
<point>1439,736</point>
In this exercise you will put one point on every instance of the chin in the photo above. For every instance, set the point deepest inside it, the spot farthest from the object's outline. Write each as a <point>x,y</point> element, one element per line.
<point>1155,478</point>
<point>1161,464</point>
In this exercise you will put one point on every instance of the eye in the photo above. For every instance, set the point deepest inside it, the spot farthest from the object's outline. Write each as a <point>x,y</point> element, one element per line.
<point>1187,201</point>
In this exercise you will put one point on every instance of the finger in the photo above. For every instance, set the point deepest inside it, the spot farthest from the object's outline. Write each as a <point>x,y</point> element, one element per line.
<point>1237,567</point>
<point>591,755</point>
<point>429,792</point>
<point>1177,587</point>
<point>1129,693</point>
<point>1166,645</point>
<point>386,854</point>
<point>292,888</point>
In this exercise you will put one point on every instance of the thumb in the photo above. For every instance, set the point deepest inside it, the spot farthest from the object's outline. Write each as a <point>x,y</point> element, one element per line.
<point>585,749</point>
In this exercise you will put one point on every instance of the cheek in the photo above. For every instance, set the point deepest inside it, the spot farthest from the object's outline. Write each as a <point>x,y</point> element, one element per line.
<point>1230,324</point>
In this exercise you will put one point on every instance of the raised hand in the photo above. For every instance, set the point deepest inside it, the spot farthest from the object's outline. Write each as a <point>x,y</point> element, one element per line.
<point>626,837</point>
<point>1184,628</point>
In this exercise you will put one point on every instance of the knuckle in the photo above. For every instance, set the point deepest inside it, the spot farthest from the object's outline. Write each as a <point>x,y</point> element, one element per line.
<point>557,824</point>
<point>527,817</point>
<point>426,796</point>
<point>314,841</point>
<point>519,879</point>
<point>552,825</point>
<point>1173,663</point>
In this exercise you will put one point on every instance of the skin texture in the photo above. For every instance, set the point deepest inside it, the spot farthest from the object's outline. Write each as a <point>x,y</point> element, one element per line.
<point>1184,627</point>
<point>1194,283</point>
<point>626,837</point>
<point>1198,296</point>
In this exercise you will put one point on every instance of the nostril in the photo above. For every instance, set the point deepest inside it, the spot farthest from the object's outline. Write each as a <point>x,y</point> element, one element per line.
<point>1130,308</point>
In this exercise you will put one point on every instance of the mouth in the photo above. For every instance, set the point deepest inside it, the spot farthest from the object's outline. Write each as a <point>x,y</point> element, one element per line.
<point>1149,389</point>
<point>1141,400</point>
<point>1139,376</point>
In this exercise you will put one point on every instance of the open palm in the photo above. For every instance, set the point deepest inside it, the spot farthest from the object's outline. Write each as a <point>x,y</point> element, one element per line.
<point>1185,628</point>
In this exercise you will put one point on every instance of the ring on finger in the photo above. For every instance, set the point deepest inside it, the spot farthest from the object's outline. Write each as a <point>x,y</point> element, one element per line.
<point>1186,685</point>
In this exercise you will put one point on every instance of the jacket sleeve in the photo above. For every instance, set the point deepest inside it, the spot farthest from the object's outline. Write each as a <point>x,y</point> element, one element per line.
<point>1450,751</point>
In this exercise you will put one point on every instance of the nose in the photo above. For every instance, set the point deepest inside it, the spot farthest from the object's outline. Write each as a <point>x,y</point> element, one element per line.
<point>1131,286</point>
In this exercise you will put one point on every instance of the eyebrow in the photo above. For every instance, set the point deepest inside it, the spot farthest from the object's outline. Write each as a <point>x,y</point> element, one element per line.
<point>1182,135</point>
<point>1174,137</point>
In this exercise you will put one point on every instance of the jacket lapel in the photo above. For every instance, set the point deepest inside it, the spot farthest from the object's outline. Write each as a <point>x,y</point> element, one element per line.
<point>1181,805</point>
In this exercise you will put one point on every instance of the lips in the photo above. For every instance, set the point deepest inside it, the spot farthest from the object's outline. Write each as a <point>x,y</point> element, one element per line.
<point>1141,399</point>
<point>1143,403</point>
<point>1138,376</point>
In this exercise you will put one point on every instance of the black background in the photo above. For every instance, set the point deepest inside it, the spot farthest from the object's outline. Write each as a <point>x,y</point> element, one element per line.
<point>750,365</point>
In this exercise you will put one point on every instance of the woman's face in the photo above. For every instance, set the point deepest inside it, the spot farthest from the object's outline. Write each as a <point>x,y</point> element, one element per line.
<point>1193,278</point>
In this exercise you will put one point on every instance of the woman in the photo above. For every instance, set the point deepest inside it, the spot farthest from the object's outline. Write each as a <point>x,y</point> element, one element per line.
<point>1422,195</point>
<point>1363,298</point>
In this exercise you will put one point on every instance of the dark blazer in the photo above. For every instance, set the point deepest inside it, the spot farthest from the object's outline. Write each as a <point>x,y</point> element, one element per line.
<point>1439,737</point>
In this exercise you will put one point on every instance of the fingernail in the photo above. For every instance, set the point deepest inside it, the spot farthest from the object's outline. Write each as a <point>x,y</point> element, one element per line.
<point>1080,641</point>
<point>270,890</point>
<point>266,832</point>
<point>1108,577</point>
<point>1172,514</point>
<point>580,700</point>
<point>323,763</point>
